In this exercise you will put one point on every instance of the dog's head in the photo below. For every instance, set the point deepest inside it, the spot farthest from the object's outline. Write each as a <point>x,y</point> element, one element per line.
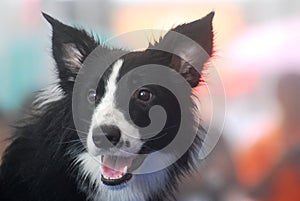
<point>116,133</point>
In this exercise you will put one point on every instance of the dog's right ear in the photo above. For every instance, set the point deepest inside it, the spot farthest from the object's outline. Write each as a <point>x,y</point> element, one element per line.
<point>70,47</point>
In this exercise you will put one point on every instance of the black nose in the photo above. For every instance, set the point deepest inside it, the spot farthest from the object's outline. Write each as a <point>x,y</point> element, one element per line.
<point>112,133</point>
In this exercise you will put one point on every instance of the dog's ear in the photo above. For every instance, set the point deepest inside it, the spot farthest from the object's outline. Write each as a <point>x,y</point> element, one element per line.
<point>192,44</point>
<point>70,47</point>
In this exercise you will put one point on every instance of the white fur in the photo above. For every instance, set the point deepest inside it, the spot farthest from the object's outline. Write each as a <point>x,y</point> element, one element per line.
<point>139,188</point>
<point>72,57</point>
<point>107,113</point>
<point>48,95</point>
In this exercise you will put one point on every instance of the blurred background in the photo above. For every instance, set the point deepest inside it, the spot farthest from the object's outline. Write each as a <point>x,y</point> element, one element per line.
<point>257,55</point>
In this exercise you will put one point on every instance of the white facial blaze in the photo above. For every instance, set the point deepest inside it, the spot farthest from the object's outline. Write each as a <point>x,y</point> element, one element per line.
<point>107,113</point>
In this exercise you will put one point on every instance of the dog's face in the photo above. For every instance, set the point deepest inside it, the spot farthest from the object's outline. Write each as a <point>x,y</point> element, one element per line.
<point>116,136</point>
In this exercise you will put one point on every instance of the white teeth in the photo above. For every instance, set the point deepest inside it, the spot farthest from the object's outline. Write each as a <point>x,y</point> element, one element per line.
<point>113,178</point>
<point>125,169</point>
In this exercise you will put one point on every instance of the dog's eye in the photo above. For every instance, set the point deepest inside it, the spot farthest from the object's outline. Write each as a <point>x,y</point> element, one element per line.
<point>92,96</point>
<point>144,95</point>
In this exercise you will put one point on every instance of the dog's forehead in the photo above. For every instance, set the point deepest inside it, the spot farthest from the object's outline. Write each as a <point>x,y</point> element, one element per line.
<point>125,72</point>
<point>134,60</point>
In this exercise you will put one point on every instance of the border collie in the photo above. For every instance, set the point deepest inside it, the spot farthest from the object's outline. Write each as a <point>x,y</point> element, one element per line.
<point>110,156</point>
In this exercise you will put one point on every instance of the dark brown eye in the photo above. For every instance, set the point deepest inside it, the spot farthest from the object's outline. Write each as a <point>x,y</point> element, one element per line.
<point>144,95</point>
<point>92,96</point>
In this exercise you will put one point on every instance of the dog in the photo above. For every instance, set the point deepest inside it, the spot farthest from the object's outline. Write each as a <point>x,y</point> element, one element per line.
<point>111,158</point>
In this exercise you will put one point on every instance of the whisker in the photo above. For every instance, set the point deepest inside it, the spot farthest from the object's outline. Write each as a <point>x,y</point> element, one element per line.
<point>86,121</point>
<point>151,133</point>
<point>72,129</point>
<point>151,149</point>
<point>74,141</point>
<point>156,138</point>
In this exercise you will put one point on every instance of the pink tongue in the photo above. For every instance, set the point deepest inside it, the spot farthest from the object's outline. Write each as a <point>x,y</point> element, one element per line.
<point>113,167</point>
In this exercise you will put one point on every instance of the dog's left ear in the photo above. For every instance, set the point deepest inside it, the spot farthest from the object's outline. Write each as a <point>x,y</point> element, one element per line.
<point>70,47</point>
<point>192,44</point>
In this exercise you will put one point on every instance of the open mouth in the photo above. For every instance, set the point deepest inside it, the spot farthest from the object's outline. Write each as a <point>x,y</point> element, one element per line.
<point>117,170</point>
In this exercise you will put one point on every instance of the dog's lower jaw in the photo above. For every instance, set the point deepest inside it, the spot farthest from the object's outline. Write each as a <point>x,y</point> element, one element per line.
<point>141,187</point>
